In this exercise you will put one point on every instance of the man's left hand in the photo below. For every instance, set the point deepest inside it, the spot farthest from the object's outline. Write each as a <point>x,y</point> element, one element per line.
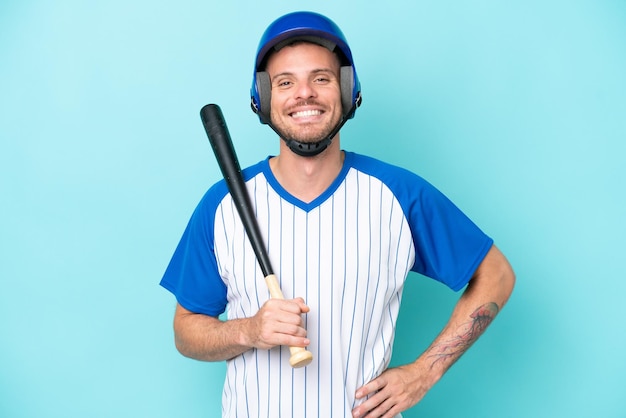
<point>394,391</point>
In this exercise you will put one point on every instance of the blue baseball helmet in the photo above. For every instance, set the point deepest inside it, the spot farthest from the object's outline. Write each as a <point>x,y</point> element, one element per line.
<point>310,27</point>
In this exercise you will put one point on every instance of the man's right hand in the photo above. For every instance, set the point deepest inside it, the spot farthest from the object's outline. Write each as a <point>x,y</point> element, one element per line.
<point>278,322</point>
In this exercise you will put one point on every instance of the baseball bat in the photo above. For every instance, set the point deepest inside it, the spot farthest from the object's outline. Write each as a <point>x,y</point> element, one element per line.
<point>222,144</point>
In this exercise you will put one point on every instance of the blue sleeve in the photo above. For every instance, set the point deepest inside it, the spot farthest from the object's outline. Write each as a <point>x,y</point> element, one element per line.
<point>448,246</point>
<point>192,274</point>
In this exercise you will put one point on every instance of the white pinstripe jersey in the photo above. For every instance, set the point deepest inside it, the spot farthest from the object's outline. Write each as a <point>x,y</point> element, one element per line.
<point>347,254</point>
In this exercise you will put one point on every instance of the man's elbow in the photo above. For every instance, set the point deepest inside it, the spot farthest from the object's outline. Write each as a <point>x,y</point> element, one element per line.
<point>505,278</point>
<point>494,279</point>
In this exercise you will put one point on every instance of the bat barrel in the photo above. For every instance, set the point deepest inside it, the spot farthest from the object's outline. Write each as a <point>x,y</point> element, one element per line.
<point>222,144</point>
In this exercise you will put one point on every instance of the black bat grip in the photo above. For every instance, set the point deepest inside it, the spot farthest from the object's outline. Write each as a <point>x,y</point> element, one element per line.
<point>219,137</point>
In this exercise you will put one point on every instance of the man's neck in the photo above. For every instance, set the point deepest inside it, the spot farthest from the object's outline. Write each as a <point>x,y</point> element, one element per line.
<point>307,177</point>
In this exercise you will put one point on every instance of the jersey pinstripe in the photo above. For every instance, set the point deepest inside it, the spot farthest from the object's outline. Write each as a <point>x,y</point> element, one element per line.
<point>347,254</point>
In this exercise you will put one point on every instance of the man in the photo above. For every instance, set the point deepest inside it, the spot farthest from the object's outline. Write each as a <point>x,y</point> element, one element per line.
<point>343,232</point>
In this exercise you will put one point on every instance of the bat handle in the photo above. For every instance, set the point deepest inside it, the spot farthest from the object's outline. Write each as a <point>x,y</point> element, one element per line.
<point>299,356</point>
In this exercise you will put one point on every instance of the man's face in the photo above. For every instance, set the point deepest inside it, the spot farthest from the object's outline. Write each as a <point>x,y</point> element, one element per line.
<point>306,96</point>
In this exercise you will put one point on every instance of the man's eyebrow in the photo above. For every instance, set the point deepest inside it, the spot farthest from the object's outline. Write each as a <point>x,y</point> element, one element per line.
<point>316,71</point>
<point>283,74</point>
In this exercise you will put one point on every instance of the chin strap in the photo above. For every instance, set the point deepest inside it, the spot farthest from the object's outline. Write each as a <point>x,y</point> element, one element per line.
<point>308,149</point>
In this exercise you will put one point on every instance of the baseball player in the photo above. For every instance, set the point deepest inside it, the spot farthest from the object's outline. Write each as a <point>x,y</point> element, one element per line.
<point>343,232</point>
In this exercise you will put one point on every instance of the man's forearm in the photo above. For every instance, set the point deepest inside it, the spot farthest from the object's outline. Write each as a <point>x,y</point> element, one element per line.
<point>485,296</point>
<point>207,338</point>
<point>454,341</point>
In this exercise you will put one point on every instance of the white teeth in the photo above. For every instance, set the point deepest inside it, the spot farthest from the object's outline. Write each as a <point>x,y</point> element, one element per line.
<point>306,113</point>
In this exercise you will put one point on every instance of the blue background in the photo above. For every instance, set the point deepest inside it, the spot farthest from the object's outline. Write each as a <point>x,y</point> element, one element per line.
<point>516,110</point>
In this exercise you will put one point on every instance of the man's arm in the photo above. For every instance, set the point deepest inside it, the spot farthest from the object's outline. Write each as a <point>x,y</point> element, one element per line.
<point>208,338</point>
<point>400,388</point>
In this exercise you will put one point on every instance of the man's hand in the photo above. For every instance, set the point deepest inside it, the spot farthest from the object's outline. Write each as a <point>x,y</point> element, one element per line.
<point>394,391</point>
<point>278,322</point>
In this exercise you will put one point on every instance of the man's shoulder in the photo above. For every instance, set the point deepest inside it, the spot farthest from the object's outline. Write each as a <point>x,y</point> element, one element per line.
<point>384,171</point>
<point>406,185</point>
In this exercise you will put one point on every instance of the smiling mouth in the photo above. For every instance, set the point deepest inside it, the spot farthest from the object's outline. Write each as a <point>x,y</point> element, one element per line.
<point>306,113</point>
